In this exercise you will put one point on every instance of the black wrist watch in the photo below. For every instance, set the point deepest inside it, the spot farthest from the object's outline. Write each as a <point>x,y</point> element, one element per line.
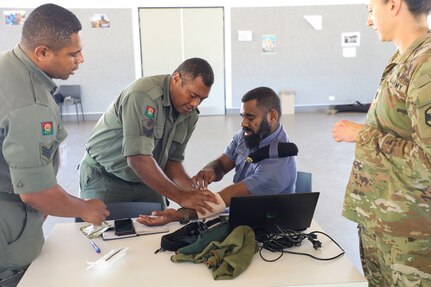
<point>186,217</point>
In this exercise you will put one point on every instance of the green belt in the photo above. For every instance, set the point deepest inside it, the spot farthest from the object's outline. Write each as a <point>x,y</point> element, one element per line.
<point>94,164</point>
<point>12,197</point>
<point>6,196</point>
<point>11,278</point>
<point>91,161</point>
<point>97,166</point>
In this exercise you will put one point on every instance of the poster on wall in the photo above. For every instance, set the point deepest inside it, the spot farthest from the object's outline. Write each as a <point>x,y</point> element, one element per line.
<point>12,18</point>
<point>268,44</point>
<point>100,21</point>
<point>351,39</point>
<point>349,52</point>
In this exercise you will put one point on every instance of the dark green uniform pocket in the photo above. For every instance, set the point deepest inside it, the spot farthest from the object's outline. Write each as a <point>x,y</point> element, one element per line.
<point>24,249</point>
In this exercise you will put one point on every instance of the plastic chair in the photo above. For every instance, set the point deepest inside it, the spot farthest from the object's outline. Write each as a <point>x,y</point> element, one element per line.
<point>70,95</point>
<point>129,209</point>
<point>303,182</point>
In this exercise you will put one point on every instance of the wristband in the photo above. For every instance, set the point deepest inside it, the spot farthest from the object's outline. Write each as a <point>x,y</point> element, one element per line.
<point>218,207</point>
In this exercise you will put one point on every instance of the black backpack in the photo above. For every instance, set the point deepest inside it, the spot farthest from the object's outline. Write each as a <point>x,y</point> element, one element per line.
<point>195,236</point>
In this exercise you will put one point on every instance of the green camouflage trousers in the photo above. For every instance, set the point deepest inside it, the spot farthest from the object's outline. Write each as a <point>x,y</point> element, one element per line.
<point>395,261</point>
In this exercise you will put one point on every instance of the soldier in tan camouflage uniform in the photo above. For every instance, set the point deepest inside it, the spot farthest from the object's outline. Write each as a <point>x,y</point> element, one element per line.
<point>389,189</point>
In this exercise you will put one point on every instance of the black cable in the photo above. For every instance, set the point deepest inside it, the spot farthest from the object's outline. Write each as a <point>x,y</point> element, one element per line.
<point>282,239</point>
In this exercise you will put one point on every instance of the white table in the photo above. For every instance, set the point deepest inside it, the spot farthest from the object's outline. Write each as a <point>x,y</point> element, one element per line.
<point>62,262</point>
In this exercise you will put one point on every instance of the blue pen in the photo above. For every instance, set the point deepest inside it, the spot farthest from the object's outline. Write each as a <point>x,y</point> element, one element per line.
<point>95,247</point>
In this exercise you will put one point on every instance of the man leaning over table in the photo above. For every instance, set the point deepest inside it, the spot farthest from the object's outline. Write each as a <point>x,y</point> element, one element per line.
<point>260,112</point>
<point>136,149</point>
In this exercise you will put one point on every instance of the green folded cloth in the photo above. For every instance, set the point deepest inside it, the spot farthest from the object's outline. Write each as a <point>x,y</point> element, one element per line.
<point>226,259</point>
<point>217,232</point>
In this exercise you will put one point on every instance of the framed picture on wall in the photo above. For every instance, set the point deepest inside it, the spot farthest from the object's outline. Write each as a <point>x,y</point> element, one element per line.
<point>350,39</point>
<point>12,18</point>
<point>100,21</point>
<point>268,44</point>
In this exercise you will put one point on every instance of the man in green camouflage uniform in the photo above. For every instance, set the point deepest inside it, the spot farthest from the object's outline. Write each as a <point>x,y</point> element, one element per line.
<point>389,189</point>
<point>136,149</point>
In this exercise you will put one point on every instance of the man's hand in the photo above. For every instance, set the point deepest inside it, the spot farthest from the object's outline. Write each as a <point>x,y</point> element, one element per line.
<point>94,212</point>
<point>198,200</point>
<point>346,131</point>
<point>203,178</point>
<point>160,217</point>
<point>56,202</point>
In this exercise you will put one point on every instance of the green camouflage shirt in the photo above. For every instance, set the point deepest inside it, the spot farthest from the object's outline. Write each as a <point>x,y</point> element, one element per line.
<point>389,189</point>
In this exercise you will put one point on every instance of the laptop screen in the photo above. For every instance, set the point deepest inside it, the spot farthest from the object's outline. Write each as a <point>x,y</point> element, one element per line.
<point>264,213</point>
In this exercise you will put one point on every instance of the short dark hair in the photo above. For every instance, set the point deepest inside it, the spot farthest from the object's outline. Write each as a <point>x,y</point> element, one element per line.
<point>266,99</point>
<point>195,67</point>
<point>416,7</point>
<point>49,25</point>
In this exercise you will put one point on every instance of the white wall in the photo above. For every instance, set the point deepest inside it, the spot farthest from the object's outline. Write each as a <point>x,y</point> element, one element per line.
<point>134,4</point>
<point>174,3</point>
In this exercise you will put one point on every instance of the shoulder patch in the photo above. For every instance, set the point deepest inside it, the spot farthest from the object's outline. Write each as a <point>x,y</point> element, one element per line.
<point>47,128</point>
<point>150,112</point>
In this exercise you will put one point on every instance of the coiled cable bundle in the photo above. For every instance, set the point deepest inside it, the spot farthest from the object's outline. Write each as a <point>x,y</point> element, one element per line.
<point>282,239</point>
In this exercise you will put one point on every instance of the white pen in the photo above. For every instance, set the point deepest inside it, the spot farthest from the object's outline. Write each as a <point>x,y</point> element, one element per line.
<point>113,254</point>
<point>95,247</point>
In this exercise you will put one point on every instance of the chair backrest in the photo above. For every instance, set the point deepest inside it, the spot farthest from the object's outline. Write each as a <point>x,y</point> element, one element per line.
<point>119,210</point>
<point>73,91</point>
<point>303,182</point>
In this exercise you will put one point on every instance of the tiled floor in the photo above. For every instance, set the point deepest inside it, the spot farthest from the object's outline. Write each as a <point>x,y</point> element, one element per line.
<point>328,161</point>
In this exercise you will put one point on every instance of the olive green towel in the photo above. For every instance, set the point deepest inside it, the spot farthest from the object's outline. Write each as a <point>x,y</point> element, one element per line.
<point>226,259</point>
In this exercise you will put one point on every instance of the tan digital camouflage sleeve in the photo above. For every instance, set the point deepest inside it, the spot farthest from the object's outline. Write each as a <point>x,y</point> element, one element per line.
<point>409,156</point>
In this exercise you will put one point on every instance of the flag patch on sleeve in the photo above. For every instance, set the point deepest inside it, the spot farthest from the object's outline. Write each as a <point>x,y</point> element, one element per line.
<point>47,128</point>
<point>150,111</point>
